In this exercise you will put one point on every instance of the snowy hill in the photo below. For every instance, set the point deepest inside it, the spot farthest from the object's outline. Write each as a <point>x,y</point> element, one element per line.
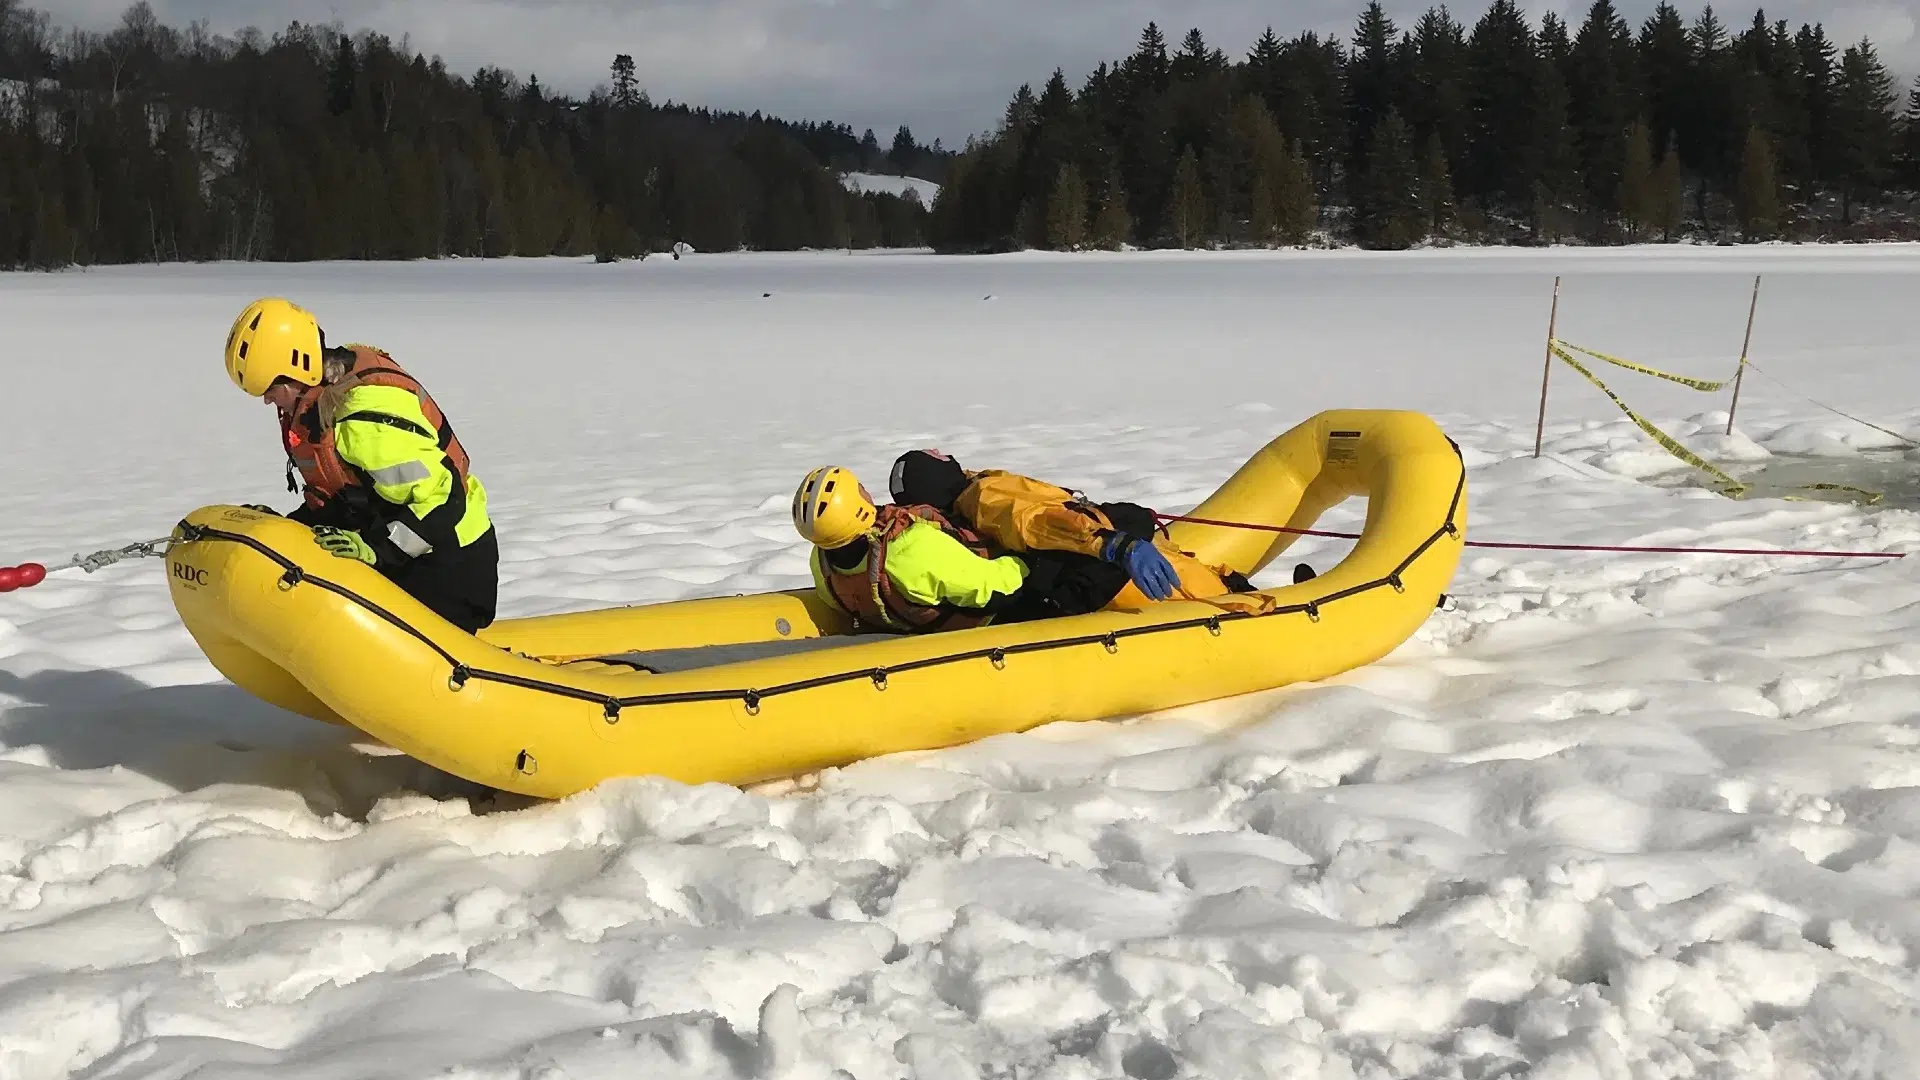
<point>1608,815</point>
<point>891,185</point>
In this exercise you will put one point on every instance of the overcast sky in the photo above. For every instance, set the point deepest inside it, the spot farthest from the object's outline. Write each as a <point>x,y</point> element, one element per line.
<point>945,67</point>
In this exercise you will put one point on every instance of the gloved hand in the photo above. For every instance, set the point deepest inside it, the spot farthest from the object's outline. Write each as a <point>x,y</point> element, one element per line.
<point>1152,574</point>
<point>345,544</point>
<point>257,508</point>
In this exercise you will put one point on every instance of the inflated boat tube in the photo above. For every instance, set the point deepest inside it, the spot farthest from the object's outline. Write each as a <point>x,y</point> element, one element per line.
<point>698,691</point>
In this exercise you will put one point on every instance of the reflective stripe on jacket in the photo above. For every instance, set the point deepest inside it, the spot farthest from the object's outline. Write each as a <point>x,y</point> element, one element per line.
<point>377,428</point>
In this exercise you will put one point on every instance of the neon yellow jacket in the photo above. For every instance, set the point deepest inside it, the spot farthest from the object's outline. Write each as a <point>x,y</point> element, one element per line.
<point>929,567</point>
<point>408,469</point>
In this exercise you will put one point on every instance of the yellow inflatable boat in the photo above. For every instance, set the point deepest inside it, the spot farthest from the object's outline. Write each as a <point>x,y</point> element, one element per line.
<point>741,689</point>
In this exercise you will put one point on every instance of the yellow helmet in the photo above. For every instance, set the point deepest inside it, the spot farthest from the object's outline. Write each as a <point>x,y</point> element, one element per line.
<point>273,338</point>
<point>832,508</point>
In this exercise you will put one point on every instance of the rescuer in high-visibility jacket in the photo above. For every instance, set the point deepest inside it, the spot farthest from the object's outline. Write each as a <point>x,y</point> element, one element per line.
<point>385,479</point>
<point>1106,555</point>
<point>904,569</point>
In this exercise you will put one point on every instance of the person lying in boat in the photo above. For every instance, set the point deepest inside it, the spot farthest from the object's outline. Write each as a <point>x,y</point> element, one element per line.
<point>1105,555</point>
<point>386,480</point>
<point>903,569</point>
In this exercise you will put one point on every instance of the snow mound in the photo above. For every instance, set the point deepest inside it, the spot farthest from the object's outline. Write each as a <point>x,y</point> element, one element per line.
<point>1830,436</point>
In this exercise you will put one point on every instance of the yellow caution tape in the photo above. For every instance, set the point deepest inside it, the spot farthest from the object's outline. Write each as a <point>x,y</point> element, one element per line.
<point>1706,385</point>
<point>1733,488</point>
<point>1873,498</point>
<point>1729,487</point>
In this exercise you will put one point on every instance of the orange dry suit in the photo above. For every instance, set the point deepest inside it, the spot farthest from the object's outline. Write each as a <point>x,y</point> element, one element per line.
<point>1022,514</point>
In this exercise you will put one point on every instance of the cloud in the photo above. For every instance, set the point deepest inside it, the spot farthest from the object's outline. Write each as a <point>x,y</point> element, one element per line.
<point>946,67</point>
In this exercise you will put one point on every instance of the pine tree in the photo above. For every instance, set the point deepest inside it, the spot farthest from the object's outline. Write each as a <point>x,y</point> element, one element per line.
<point>1293,194</point>
<point>1437,102</point>
<point>1502,77</point>
<point>1910,140</point>
<point>341,77</point>
<point>1112,225</point>
<point>1193,61</point>
<point>1067,210</point>
<point>1862,125</point>
<point>1311,110</point>
<point>1771,92</point>
<point>1554,159</point>
<point>1600,77</point>
<point>1266,163</point>
<point>1225,197</point>
<point>609,237</point>
<point>1264,214</point>
<point>1665,57</point>
<point>1708,128</point>
<point>1187,208</point>
<point>1022,112</point>
<point>905,151</point>
<point>52,243</point>
<point>1669,193</point>
<point>13,191</point>
<point>1639,202</point>
<point>1266,70</point>
<point>1436,189</point>
<point>1816,63</point>
<point>863,223</point>
<point>1030,223</point>
<point>1390,212</point>
<point>1373,82</point>
<point>626,82</point>
<point>1055,138</point>
<point>1148,67</point>
<point>1556,46</point>
<point>1757,195</point>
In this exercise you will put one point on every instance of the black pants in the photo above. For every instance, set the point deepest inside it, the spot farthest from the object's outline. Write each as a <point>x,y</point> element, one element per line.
<point>461,586</point>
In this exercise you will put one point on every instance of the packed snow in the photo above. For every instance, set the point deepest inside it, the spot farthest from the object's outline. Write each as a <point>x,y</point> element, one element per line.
<point>1605,816</point>
<point>879,184</point>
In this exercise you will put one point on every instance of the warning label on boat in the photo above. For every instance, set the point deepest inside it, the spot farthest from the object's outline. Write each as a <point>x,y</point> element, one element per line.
<point>1343,446</point>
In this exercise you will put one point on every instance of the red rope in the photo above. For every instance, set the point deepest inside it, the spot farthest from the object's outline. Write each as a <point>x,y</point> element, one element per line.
<point>1552,547</point>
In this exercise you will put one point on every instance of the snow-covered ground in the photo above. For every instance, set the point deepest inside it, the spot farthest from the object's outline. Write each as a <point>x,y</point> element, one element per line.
<point>1609,816</point>
<point>879,184</point>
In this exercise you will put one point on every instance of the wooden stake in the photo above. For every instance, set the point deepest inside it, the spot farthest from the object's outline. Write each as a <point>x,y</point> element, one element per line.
<point>1553,321</point>
<point>1753,306</point>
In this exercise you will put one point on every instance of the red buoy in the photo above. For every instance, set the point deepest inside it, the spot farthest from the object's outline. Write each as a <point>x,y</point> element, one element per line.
<point>9,578</point>
<point>31,574</point>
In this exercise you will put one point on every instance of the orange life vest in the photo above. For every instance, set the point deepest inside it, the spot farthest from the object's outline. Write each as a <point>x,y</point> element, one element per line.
<point>309,438</point>
<point>871,597</point>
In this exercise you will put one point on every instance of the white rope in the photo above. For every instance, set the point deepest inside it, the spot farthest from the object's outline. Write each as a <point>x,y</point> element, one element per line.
<point>1813,401</point>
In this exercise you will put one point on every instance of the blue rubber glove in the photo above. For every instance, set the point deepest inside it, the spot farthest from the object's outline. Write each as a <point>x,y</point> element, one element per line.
<point>1152,574</point>
<point>345,544</point>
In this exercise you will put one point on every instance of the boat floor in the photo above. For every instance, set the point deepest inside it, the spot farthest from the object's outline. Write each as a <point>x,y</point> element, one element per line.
<point>662,661</point>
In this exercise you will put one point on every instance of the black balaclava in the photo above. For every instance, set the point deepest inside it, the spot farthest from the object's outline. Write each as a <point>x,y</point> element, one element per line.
<point>927,478</point>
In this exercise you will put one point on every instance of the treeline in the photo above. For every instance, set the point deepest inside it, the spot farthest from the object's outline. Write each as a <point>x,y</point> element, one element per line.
<point>1498,134</point>
<point>152,143</point>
